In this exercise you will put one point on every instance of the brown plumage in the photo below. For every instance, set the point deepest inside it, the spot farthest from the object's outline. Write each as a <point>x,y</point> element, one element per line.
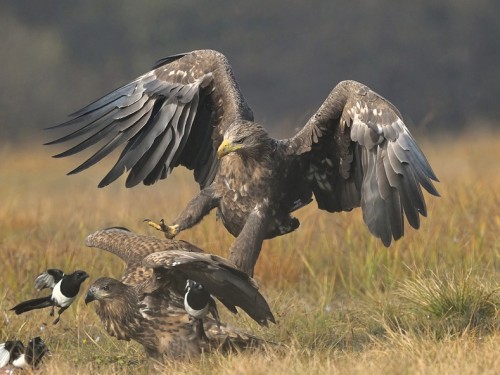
<point>147,305</point>
<point>355,151</point>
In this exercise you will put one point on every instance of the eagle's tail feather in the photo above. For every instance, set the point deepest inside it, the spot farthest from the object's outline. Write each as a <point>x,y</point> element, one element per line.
<point>227,338</point>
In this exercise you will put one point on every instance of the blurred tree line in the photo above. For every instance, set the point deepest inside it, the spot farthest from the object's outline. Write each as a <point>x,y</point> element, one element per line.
<point>438,61</point>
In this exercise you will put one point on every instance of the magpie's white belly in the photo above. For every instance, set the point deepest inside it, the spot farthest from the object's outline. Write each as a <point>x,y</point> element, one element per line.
<point>198,314</point>
<point>60,299</point>
<point>21,362</point>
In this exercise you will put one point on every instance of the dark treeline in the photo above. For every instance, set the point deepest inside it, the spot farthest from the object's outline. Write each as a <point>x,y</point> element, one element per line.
<point>437,60</point>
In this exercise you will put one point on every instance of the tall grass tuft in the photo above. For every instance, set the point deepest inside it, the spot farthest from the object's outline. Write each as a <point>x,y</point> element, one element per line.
<point>447,304</point>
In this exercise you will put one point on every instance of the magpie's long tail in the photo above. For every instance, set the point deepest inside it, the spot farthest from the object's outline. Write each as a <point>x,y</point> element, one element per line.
<point>32,304</point>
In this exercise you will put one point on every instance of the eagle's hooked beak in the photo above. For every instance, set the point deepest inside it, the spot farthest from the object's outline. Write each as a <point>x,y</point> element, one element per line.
<point>91,295</point>
<point>226,147</point>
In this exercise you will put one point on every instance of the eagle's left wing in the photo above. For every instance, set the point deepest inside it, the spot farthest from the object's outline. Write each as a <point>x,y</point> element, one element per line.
<point>219,277</point>
<point>132,248</point>
<point>358,152</point>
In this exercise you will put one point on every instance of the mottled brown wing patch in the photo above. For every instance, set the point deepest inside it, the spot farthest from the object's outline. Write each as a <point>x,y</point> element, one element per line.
<point>131,247</point>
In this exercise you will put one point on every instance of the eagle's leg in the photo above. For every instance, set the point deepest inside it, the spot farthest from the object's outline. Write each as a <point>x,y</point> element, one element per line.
<point>170,231</point>
<point>245,250</point>
<point>196,209</point>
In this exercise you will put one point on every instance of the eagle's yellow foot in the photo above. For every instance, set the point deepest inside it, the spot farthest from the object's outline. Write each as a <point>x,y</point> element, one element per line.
<point>170,231</point>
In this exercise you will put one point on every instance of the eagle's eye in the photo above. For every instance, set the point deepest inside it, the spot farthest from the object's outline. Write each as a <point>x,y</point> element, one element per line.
<point>105,288</point>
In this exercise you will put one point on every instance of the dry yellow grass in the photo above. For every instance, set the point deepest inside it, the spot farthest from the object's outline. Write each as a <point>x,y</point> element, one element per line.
<point>338,294</point>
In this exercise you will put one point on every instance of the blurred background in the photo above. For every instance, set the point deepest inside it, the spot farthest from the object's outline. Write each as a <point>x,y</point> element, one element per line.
<point>437,61</point>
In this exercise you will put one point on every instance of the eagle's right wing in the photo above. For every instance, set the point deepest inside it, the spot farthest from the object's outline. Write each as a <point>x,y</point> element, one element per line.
<point>173,115</point>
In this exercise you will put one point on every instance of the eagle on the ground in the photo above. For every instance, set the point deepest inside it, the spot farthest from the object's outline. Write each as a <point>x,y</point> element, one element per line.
<point>147,304</point>
<point>354,151</point>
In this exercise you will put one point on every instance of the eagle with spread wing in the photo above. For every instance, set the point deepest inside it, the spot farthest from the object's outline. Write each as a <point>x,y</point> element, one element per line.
<point>148,305</point>
<point>354,151</point>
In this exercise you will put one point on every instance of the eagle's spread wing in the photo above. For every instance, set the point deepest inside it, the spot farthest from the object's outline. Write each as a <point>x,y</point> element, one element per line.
<point>221,278</point>
<point>173,115</point>
<point>359,153</point>
<point>132,248</point>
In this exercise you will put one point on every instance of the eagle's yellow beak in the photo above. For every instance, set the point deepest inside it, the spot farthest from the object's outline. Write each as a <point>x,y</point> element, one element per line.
<point>226,147</point>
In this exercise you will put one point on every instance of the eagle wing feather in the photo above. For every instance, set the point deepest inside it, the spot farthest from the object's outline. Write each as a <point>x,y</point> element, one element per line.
<point>132,249</point>
<point>359,152</point>
<point>173,115</point>
<point>219,277</point>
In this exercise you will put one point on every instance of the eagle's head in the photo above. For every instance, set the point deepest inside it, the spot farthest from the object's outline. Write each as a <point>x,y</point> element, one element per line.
<point>104,288</point>
<point>117,307</point>
<point>244,137</point>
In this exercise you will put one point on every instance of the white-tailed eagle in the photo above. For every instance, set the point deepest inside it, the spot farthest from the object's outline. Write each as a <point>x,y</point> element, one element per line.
<point>354,151</point>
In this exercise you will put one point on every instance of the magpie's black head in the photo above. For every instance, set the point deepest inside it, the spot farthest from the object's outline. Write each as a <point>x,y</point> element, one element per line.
<point>79,276</point>
<point>193,286</point>
<point>15,348</point>
<point>71,283</point>
<point>104,288</point>
<point>35,351</point>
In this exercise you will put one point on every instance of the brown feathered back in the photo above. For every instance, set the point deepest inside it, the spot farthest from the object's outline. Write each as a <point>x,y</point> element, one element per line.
<point>148,305</point>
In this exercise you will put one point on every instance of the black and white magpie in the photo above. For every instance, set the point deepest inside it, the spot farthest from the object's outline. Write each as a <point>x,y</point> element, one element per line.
<point>16,354</point>
<point>198,302</point>
<point>64,292</point>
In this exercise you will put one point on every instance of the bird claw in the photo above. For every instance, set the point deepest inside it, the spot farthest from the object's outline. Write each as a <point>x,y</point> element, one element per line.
<point>170,231</point>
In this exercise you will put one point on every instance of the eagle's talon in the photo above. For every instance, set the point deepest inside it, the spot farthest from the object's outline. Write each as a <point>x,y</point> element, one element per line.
<point>170,231</point>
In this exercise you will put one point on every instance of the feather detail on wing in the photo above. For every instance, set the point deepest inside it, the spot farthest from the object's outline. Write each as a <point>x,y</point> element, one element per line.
<point>132,248</point>
<point>219,277</point>
<point>167,117</point>
<point>359,153</point>
<point>48,279</point>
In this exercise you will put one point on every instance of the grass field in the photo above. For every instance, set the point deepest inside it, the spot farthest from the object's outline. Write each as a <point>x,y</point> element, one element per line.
<point>344,303</point>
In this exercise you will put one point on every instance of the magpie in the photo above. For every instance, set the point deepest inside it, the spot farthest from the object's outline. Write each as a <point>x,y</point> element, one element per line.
<point>198,302</point>
<point>63,294</point>
<point>16,354</point>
